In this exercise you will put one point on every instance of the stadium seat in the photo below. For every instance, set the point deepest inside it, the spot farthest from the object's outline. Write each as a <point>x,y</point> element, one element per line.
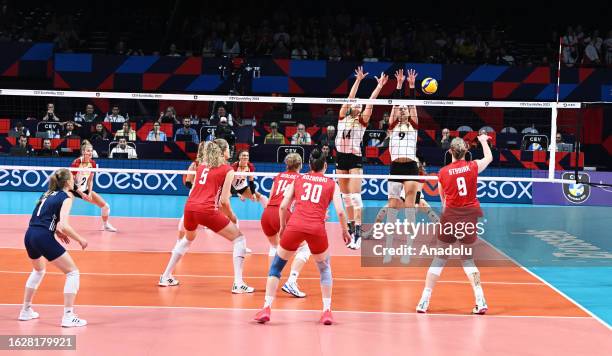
<point>509,129</point>
<point>530,130</point>
<point>464,128</point>
<point>5,126</point>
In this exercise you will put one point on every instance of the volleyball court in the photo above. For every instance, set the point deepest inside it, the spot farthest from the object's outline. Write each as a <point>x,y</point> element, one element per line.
<point>373,300</point>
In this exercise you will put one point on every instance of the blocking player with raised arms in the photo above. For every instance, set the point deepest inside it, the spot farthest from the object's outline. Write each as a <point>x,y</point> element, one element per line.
<point>270,222</point>
<point>312,192</point>
<point>458,185</point>
<point>352,123</point>
<point>211,191</point>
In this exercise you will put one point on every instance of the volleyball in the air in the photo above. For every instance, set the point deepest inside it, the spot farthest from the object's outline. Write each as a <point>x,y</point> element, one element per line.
<point>429,85</point>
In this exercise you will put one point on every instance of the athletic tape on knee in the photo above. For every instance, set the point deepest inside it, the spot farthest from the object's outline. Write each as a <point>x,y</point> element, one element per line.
<point>276,268</point>
<point>437,265</point>
<point>182,246</point>
<point>72,282</point>
<point>35,278</point>
<point>106,210</point>
<point>469,267</point>
<point>346,198</point>
<point>303,253</point>
<point>395,190</point>
<point>239,246</point>
<point>356,200</point>
<point>325,271</point>
<point>272,251</point>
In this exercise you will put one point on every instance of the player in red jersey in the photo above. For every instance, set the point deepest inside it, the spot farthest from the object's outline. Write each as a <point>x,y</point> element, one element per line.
<point>312,192</point>
<point>245,186</point>
<point>188,182</point>
<point>83,184</point>
<point>458,185</point>
<point>210,192</point>
<point>270,222</point>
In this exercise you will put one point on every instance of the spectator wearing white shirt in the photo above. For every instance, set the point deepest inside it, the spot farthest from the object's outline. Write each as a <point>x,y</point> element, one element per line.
<point>591,55</point>
<point>156,134</point>
<point>221,112</point>
<point>114,116</point>
<point>123,147</point>
<point>231,46</point>
<point>301,137</point>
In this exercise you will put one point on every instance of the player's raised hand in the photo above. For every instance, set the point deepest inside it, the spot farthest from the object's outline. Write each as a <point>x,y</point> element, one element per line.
<point>382,80</point>
<point>484,138</point>
<point>412,75</point>
<point>400,77</point>
<point>359,74</point>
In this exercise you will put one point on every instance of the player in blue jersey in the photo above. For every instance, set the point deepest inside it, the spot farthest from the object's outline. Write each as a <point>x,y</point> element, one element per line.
<point>50,218</point>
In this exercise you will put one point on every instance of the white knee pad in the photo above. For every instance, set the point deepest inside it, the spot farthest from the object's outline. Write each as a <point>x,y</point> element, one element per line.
<point>239,247</point>
<point>72,282</point>
<point>181,246</point>
<point>356,200</point>
<point>106,210</point>
<point>325,271</point>
<point>346,198</point>
<point>394,190</point>
<point>469,267</point>
<point>303,253</point>
<point>35,278</point>
<point>437,265</point>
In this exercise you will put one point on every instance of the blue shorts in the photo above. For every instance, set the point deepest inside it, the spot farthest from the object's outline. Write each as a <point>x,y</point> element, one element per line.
<point>41,242</point>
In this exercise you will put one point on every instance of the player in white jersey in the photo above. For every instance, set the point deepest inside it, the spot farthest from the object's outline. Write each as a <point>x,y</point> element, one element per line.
<point>352,123</point>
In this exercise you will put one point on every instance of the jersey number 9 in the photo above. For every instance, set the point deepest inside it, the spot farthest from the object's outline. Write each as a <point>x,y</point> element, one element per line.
<point>461,186</point>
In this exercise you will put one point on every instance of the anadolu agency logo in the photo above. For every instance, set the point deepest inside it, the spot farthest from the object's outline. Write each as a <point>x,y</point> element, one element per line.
<point>576,193</point>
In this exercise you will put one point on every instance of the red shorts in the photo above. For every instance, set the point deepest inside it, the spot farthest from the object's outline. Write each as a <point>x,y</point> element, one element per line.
<point>270,220</point>
<point>214,220</point>
<point>464,224</point>
<point>292,239</point>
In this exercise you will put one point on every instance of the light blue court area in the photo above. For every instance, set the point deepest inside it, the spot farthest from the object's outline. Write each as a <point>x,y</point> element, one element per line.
<point>568,247</point>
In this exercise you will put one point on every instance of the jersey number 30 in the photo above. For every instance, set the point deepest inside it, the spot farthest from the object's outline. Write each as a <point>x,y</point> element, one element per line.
<point>312,192</point>
<point>461,186</point>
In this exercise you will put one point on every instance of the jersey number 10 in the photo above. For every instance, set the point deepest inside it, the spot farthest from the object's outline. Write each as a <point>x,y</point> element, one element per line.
<point>312,192</point>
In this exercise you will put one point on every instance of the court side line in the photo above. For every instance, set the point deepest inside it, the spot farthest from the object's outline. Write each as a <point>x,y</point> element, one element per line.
<point>313,311</point>
<point>156,276</point>
<point>584,309</point>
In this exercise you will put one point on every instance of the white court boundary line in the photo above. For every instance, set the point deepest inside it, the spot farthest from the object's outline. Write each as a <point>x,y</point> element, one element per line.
<point>586,310</point>
<point>315,311</point>
<point>203,276</point>
<point>274,174</point>
<point>287,100</point>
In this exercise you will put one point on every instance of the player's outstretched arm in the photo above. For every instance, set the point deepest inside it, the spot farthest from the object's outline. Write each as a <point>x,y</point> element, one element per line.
<point>382,80</point>
<point>488,155</point>
<point>412,75</point>
<point>359,75</point>
<point>64,226</point>
<point>341,215</point>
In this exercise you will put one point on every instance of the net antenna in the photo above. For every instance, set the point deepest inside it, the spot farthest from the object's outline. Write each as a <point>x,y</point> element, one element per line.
<point>553,120</point>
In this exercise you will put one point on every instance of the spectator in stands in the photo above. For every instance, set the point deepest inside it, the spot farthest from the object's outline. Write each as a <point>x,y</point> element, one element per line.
<point>19,130</point>
<point>22,148</point>
<point>221,112</point>
<point>329,154</point>
<point>156,134</point>
<point>70,130</point>
<point>274,137</point>
<point>114,116</point>
<point>607,48</point>
<point>173,52</point>
<point>187,130</point>
<point>123,147</point>
<point>299,52</point>
<point>169,116</point>
<point>301,137</point>
<point>50,114</point>
<point>384,123</point>
<point>369,57</point>
<point>231,46</point>
<point>126,132</point>
<point>225,132</point>
<point>329,138</point>
<point>446,139</point>
<point>47,150</point>
<point>100,133</point>
<point>591,55</point>
<point>88,116</point>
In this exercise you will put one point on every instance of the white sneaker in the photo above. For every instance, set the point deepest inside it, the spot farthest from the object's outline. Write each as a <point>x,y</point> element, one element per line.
<point>248,250</point>
<point>167,282</point>
<point>108,227</point>
<point>480,307</point>
<point>242,289</point>
<point>28,314</point>
<point>72,320</point>
<point>293,289</point>
<point>423,304</point>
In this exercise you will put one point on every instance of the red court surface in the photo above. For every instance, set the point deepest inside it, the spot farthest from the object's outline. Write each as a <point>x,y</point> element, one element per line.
<point>374,307</point>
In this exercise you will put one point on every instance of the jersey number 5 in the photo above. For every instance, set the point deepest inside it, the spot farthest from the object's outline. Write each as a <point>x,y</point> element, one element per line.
<point>203,176</point>
<point>312,192</point>
<point>461,186</point>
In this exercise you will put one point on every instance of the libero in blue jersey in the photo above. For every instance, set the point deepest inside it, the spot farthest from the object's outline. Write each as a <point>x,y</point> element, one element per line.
<point>50,218</point>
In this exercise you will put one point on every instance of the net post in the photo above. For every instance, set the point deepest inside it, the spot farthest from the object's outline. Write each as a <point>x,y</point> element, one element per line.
<point>553,143</point>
